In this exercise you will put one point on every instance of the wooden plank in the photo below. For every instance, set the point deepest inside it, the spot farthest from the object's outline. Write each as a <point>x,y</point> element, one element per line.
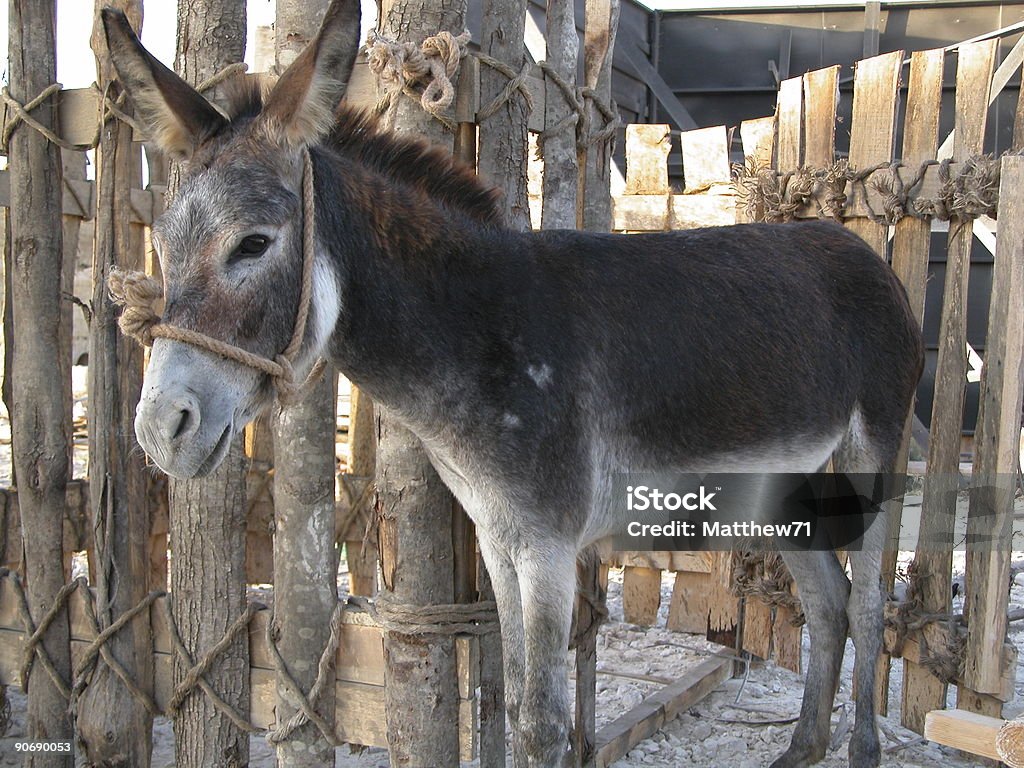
<point>705,158</point>
<point>934,556</point>
<point>758,138</point>
<point>910,248</point>
<point>641,595</point>
<point>967,731</point>
<point>789,118</point>
<point>757,627</point>
<point>821,100</point>
<point>699,562</point>
<point>641,213</point>
<point>996,443</point>
<point>787,638</point>
<point>873,128</point>
<point>723,606</point>
<point>707,210</point>
<point>618,737</point>
<point>688,611</point>
<point>647,150</point>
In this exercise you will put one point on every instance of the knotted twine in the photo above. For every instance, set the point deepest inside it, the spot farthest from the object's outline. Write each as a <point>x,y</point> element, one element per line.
<point>137,292</point>
<point>401,66</point>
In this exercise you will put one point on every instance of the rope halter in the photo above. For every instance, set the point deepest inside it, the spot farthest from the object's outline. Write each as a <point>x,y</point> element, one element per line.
<point>137,292</point>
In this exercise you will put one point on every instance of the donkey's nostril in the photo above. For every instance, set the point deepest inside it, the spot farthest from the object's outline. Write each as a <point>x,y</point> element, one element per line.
<point>178,419</point>
<point>183,424</point>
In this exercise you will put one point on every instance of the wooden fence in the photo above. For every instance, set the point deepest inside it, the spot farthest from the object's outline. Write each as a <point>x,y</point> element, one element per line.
<point>792,172</point>
<point>894,200</point>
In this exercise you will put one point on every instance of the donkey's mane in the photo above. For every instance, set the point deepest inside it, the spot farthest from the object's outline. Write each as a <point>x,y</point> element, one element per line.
<point>359,135</point>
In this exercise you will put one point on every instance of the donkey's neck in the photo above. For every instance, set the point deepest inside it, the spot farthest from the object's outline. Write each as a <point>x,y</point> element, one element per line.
<point>421,285</point>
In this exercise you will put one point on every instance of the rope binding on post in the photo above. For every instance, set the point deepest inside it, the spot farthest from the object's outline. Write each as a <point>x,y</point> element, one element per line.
<point>137,292</point>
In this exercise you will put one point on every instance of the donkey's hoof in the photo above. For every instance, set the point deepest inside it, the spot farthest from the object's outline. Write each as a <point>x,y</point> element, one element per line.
<point>799,757</point>
<point>865,751</point>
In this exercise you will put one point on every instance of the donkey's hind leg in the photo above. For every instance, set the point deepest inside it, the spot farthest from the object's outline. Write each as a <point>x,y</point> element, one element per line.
<point>823,592</point>
<point>858,453</point>
<point>513,647</point>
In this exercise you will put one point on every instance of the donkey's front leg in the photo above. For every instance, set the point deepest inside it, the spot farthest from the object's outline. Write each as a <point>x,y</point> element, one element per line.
<point>513,649</point>
<point>547,582</point>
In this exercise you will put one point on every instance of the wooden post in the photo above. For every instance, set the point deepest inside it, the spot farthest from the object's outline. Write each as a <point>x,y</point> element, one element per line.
<point>601,22</point>
<point>910,247</point>
<point>934,556</point>
<point>503,145</point>
<point>561,165</point>
<point>996,447</point>
<point>362,459</point>
<point>417,561</point>
<point>207,516</point>
<point>305,563</point>
<point>41,379</point>
<point>112,724</point>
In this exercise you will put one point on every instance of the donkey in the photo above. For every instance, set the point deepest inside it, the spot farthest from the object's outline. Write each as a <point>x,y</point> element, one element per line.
<point>533,366</point>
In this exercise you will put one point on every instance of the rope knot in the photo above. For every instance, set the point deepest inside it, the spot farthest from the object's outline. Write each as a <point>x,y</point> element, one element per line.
<point>137,292</point>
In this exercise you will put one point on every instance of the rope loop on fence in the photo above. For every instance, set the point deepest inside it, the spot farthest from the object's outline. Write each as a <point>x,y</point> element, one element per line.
<point>763,575</point>
<point>306,705</point>
<point>431,66</point>
<point>516,83</point>
<point>138,293</point>
<point>608,112</point>
<point>572,98</point>
<point>479,618</point>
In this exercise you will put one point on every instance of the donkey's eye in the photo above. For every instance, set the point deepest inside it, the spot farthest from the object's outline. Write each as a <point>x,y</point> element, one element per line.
<point>250,247</point>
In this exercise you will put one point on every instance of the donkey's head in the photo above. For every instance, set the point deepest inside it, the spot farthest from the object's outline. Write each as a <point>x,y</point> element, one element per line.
<point>230,244</point>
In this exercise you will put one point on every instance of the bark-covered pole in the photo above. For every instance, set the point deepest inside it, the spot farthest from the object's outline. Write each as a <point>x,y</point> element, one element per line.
<point>41,377</point>
<point>305,563</point>
<point>503,134</point>
<point>600,26</point>
<point>207,516</point>
<point>561,166</point>
<point>417,563</point>
<point>113,726</point>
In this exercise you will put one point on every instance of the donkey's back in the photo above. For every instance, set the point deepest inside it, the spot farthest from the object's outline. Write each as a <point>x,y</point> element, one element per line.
<point>726,348</point>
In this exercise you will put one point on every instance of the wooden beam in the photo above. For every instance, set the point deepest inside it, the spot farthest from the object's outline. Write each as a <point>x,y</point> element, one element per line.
<point>618,737</point>
<point>963,730</point>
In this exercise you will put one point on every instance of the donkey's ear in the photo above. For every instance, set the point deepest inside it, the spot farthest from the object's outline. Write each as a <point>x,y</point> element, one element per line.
<point>178,116</point>
<point>300,109</point>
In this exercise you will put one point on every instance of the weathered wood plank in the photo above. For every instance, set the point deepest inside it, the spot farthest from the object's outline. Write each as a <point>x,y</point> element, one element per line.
<point>699,562</point>
<point>910,247</point>
<point>758,138</point>
<point>821,100</point>
<point>967,731</point>
<point>641,595</point>
<point>647,150</point>
<point>789,119</point>
<point>688,611</point>
<point>618,737</point>
<point>705,158</point>
<point>996,444</point>
<point>934,555</point>
<point>873,127</point>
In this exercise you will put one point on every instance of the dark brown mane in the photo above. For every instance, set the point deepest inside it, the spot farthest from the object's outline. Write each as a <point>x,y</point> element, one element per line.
<point>410,161</point>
